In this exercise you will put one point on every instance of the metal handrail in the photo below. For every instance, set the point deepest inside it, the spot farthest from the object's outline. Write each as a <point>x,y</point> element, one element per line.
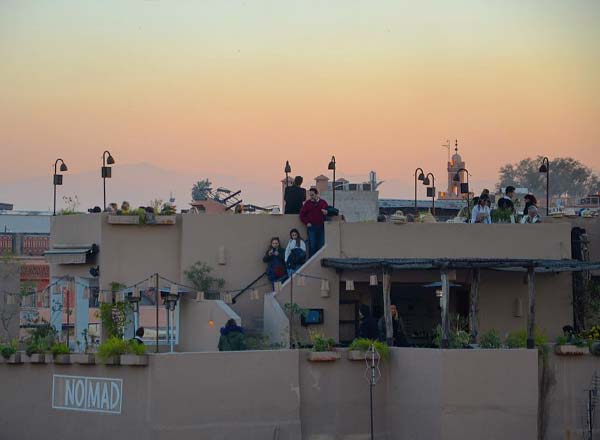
<point>241,292</point>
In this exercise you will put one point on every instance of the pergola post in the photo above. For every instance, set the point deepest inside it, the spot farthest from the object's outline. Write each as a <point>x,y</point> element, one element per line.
<point>531,308</point>
<point>387,310</point>
<point>445,305</point>
<point>474,306</point>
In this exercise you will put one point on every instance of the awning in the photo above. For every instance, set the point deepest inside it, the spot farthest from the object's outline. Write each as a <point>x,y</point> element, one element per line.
<point>518,265</point>
<point>70,254</point>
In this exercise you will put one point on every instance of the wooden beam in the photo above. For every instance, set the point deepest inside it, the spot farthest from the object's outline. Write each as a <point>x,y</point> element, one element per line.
<point>387,311</point>
<point>445,306</point>
<point>474,306</point>
<point>531,309</point>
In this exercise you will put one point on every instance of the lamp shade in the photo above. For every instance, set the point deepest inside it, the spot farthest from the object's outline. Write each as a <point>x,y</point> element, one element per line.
<point>331,165</point>
<point>426,181</point>
<point>63,167</point>
<point>543,168</point>
<point>349,285</point>
<point>110,160</point>
<point>288,168</point>
<point>421,177</point>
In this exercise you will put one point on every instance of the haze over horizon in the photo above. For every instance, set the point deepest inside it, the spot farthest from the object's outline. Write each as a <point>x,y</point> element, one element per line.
<point>231,90</point>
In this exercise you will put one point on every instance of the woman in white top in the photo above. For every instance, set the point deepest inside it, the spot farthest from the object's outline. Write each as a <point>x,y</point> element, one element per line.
<point>481,211</point>
<point>295,242</point>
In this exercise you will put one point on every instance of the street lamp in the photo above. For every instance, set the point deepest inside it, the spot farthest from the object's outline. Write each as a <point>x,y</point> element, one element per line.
<point>421,177</point>
<point>331,166</point>
<point>287,170</point>
<point>430,190</point>
<point>58,178</point>
<point>464,188</point>
<point>545,168</point>
<point>106,171</point>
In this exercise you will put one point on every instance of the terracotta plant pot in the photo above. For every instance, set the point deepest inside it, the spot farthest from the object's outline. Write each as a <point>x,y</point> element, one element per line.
<point>83,358</point>
<point>323,356</point>
<point>38,358</point>
<point>62,359</point>
<point>165,219</point>
<point>570,350</point>
<point>134,360</point>
<point>124,219</point>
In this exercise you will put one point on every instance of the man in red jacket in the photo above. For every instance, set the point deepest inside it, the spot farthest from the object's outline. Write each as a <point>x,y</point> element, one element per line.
<point>313,214</point>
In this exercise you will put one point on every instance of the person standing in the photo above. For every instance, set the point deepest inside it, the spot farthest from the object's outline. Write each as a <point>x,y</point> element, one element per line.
<point>294,197</point>
<point>313,214</point>
<point>530,200</point>
<point>368,327</point>
<point>532,216</point>
<point>505,201</point>
<point>232,337</point>
<point>481,211</point>
<point>398,334</point>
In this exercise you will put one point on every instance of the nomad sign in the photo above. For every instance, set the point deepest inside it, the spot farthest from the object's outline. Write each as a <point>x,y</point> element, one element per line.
<point>92,394</point>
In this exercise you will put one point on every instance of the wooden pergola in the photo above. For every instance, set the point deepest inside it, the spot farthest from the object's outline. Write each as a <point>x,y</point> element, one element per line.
<point>444,266</point>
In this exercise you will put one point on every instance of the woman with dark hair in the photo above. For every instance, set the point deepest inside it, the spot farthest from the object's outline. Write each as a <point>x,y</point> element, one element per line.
<point>295,252</point>
<point>530,200</point>
<point>275,259</point>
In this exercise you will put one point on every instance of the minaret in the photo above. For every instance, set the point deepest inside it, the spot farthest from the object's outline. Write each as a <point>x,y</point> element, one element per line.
<point>455,164</point>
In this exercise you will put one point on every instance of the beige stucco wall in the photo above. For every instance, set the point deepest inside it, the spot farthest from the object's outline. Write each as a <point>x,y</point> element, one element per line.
<point>422,394</point>
<point>567,399</point>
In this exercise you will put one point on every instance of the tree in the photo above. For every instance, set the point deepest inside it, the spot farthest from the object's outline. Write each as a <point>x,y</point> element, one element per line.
<point>567,177</point>
<point>201,189</point>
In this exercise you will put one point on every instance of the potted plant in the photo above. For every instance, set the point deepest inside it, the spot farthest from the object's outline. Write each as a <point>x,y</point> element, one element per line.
<point>490,340</point>
<point>10,354</point>
<point>166,215</point>
<point>360,348</point>
<point>502,216</point>
<point>36,351</point>
<point>135,355</point>
<point>110,351</point>
<point>574,346</point>
<point>60,352</point>
<point>323,349</point>
<point>85,358</point>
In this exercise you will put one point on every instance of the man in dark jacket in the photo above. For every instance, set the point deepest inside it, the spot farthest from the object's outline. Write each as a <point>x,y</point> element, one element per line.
<point>368,327</point>
<point>313,214</point>
<point>294,197</point>
<point>232,337</point>
<point>398,335</point>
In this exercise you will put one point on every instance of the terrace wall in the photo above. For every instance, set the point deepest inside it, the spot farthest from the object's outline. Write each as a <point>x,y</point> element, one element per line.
<point>422,394</point>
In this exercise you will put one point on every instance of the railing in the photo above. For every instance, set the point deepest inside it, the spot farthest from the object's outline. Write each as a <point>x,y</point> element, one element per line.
<point>248,287</point>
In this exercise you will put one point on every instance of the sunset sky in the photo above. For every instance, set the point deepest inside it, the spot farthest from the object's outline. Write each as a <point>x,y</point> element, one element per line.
<point>235,88</point>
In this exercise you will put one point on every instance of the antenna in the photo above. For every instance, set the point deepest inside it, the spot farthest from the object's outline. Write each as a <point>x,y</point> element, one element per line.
<point>447,147</point>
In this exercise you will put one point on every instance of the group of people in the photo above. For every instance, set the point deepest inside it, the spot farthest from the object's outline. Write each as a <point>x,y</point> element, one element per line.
<point>282,263</point>
<point>481,212</point>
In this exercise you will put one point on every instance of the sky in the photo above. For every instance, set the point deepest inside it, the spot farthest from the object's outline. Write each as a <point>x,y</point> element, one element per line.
<point>230,90</point>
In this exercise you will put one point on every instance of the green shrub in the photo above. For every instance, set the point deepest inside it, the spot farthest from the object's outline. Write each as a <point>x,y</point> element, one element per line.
<point>457,339</point>
<point>7,350</point>
<point>363,344</point>
<point>112,347</point>
<point>562,340</point>
<point>519,339</point>
<point>59,348</point>
<point>36,346</point>
<point>320,343</point>
<point>490,339</point>
<point>135,348</point>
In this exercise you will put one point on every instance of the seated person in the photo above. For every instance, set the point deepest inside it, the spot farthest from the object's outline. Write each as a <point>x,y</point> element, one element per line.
<point>275,259</point>
<point>532,216</point>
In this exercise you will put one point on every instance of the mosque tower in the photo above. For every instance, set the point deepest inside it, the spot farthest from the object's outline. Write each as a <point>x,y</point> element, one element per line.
<point>454,164</point>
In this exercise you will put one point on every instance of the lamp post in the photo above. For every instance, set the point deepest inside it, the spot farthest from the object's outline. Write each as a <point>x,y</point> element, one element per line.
<point>421,177</point>
<point>331,166</point>
<point>545,168</point>
<point>58,178</point>
<point>287,170</point>
<point>430,190</point>
<point>106,171</point>
<point>464,189</point>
